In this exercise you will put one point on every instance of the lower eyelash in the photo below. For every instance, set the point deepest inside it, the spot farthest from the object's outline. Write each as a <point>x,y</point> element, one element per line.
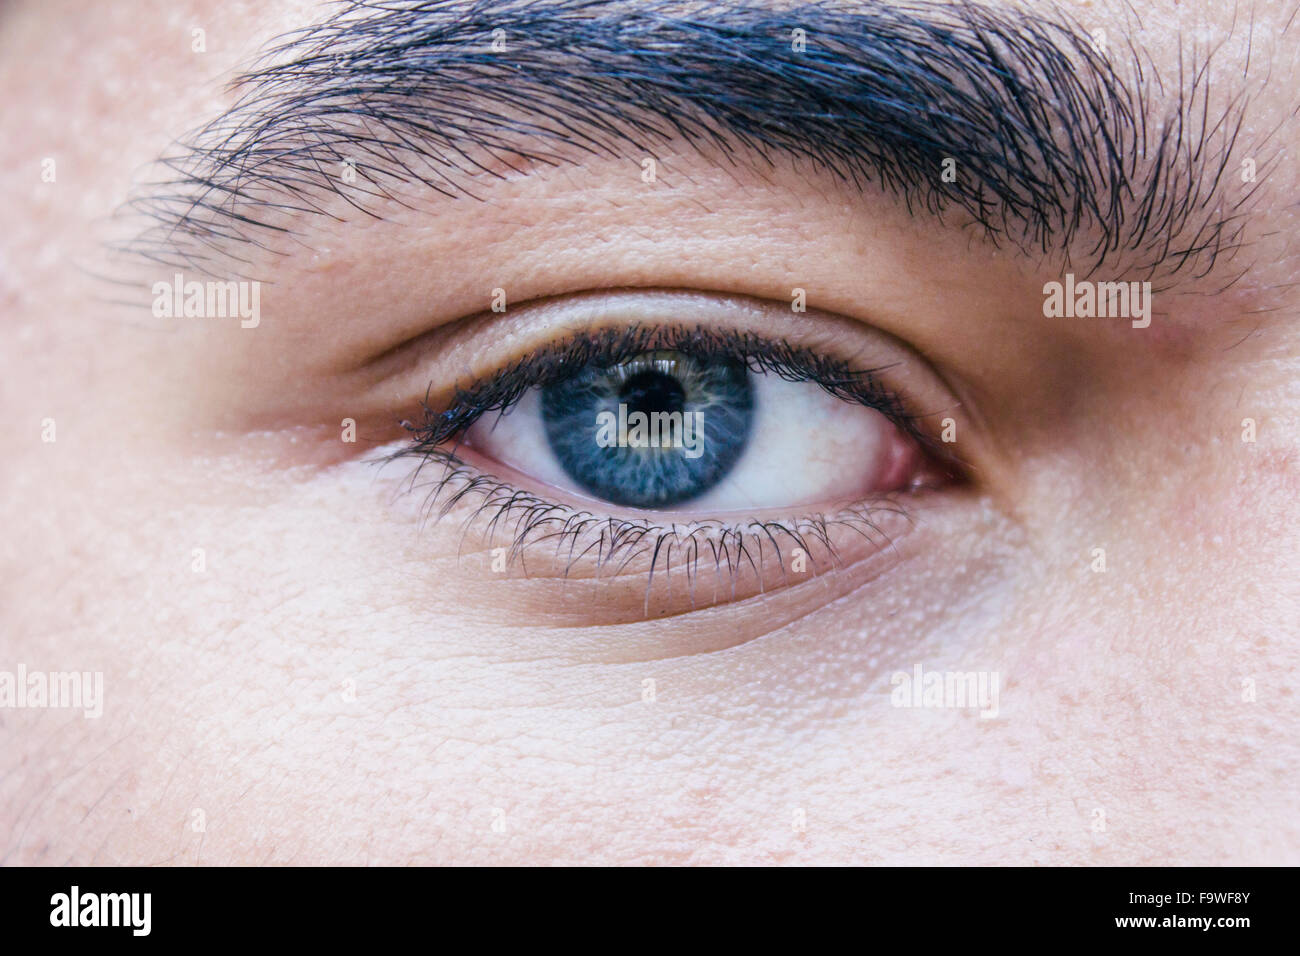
<point>616,542</point>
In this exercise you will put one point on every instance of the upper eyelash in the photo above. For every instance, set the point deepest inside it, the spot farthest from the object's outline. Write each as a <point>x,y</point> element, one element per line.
<point>616,540</point>
<point>502,389</point>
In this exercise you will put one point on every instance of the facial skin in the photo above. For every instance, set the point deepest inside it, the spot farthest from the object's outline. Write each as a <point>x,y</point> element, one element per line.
<point>344,681</point>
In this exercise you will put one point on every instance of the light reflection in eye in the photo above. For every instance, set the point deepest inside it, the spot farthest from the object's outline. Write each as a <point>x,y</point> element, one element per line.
<point>671,430</point>
<point>654,431</point>
<point>825,421</point>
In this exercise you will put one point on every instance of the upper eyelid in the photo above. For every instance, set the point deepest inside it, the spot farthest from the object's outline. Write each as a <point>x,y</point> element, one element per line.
<point>498,390</point>
<point>537,520</point>
<point>610,346</point>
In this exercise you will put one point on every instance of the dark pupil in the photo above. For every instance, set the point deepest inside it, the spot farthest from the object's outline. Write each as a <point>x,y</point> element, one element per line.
<point>713,398</point>
<point>652,392</point>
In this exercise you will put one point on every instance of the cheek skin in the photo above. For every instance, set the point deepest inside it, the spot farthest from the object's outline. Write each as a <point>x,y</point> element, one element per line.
<point>326,692</point>
<point>337,687</point>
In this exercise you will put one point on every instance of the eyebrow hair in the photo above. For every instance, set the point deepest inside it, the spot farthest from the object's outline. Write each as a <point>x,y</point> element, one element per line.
<point>1055,146</point>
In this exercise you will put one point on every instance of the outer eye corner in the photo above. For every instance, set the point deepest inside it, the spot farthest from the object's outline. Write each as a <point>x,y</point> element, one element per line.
<point>653,446</point>
<point>681,419</point>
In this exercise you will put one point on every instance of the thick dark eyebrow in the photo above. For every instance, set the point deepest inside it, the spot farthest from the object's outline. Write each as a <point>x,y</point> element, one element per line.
<point>1055,146</point>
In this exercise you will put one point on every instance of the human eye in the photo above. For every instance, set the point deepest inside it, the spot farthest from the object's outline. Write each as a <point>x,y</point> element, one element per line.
<point>622,428</point>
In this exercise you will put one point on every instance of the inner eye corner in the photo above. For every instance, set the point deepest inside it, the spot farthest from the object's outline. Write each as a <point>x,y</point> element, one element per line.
<point>676,415</point>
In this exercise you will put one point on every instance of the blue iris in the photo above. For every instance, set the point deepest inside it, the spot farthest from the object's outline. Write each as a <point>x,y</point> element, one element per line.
<point>653,431</point>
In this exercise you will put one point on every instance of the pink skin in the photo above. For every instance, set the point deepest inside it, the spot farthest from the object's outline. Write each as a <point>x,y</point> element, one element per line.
<point>296,668</point>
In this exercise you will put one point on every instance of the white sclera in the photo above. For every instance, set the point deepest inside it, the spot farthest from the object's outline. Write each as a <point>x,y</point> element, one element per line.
<point>805,447</point>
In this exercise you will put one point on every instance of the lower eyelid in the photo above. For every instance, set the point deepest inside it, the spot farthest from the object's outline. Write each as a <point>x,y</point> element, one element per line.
<point>639,566</point>
<point>538,528</point>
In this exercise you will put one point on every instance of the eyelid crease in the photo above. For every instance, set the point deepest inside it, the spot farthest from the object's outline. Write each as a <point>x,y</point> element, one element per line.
<point>500,390</point>
<point>619,547</point>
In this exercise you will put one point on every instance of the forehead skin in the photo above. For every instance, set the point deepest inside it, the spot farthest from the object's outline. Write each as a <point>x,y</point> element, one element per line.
<point>335,688</point>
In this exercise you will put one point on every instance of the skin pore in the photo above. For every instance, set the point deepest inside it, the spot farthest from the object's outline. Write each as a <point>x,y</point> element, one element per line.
<point>334,677</point>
